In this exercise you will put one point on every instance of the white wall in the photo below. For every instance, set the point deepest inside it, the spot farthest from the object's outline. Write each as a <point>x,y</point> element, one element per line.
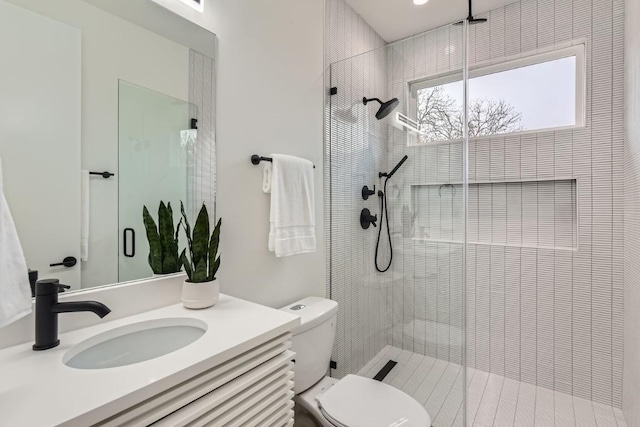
<point>270,97</point>
<point>112,49</point>
<point>631,389</point>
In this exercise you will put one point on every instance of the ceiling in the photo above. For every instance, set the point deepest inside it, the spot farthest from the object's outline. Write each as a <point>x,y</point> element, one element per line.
<point>397,19</point>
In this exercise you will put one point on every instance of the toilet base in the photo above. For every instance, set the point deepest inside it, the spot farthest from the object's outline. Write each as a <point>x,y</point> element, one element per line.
<point>307,399</point>
<point>303,418</point>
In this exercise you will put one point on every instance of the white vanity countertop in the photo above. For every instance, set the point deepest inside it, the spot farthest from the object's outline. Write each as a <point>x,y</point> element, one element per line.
<point>38,390</point>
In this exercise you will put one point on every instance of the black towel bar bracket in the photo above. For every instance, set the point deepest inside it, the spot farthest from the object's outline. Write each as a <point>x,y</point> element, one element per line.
<point>255,159</point>
<point>105,175</point>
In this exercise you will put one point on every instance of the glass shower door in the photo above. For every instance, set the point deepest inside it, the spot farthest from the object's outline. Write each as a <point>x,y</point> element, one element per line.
<point>401,285</point>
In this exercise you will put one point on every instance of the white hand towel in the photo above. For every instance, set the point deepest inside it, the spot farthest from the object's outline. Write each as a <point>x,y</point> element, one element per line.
<point>84,216</point>
<point>292,220</point>
<point>15,291</point>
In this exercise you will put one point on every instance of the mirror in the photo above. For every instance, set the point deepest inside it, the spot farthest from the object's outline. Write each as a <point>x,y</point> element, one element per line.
<point>106,106</point>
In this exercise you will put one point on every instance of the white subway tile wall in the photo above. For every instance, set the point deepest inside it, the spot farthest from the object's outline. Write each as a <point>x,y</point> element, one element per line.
<point>544,306</point>
<point>631,401</point>
<point>554,316</point>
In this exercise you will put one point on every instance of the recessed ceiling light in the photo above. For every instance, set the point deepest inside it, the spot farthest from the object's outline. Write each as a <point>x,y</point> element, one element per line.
<point>420,2</point>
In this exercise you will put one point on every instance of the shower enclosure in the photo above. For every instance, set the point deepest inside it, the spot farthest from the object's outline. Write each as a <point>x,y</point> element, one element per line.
<point>504,301</point>
<point>400,289</point>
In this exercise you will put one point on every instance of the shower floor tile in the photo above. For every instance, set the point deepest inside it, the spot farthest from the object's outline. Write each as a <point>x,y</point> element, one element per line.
<point>493,400</point>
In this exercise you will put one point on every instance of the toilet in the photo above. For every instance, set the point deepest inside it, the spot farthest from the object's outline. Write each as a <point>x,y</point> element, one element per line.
<point>353,401</point>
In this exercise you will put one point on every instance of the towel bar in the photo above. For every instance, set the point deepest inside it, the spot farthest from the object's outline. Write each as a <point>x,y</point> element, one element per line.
<point>255,159</point>
<point>105,174</point>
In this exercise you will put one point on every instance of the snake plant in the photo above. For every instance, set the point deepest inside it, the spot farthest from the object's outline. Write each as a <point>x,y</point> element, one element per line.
<point>203,262</point>
<point>164,255</point>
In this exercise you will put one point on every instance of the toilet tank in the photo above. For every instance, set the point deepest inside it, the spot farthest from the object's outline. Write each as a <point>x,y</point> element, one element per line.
<point>313,339</point>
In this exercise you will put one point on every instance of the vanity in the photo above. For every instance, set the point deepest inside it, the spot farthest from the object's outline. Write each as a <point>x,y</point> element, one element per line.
<point>237,371</point>
<point>126,119</point>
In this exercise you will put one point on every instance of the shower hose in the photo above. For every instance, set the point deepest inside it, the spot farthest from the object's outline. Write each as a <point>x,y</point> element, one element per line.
<point>384,214</point>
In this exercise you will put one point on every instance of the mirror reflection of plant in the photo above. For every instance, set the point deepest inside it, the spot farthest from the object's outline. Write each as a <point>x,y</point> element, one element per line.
<point>164,255</point>
<point>203,262</point>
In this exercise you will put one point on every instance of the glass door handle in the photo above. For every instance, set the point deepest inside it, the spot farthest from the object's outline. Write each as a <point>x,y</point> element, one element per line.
<point>125,239</point>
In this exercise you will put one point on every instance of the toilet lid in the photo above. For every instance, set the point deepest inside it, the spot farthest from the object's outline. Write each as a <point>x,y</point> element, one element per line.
<point>356,401</point>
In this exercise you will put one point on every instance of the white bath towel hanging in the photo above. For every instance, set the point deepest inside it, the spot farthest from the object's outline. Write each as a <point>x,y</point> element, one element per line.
<point>84,216</point>
<point>15,291</point>
<point>292,219</point>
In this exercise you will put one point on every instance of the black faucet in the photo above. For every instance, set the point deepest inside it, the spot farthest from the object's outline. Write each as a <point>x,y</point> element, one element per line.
<point>48,307</point>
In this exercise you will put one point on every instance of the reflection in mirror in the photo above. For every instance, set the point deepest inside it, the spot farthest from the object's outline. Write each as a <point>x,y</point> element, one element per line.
<point>154,148</point>
<point>101,86</point>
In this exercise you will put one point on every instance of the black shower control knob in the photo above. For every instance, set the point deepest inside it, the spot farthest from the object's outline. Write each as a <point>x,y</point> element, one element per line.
<point>366,192</point>
<point>366,219</point>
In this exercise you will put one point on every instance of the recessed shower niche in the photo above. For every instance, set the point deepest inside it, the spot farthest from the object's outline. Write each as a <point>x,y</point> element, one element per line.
<point>520,213</point>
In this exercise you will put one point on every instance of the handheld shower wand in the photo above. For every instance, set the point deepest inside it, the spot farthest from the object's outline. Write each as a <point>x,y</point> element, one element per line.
<point>384,214</point>
<point>394,170</point>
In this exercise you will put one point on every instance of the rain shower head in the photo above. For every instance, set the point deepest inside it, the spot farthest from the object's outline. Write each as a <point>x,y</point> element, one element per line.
<point>385,107</point>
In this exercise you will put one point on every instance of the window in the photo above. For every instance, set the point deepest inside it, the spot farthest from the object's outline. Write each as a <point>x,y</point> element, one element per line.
<point>540,92</point>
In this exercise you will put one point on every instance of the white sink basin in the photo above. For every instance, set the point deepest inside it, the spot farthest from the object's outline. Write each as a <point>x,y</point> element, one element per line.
<point>135,343</point>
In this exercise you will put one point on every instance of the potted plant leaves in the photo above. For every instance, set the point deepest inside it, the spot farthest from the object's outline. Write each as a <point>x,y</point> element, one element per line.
<point>164,254</point>
<point>201,289</point>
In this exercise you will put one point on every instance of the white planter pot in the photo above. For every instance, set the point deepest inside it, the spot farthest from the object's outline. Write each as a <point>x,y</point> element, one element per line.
<point>200,295</point>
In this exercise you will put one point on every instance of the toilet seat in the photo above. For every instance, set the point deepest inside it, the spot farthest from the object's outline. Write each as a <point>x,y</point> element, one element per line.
<point>356,401</point>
